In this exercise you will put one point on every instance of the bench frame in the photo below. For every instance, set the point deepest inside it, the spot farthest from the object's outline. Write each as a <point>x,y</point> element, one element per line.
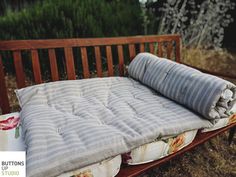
<point>168,46</point>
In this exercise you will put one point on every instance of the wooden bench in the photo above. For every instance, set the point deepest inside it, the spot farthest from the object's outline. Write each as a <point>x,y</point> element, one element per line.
<point>117,52</point>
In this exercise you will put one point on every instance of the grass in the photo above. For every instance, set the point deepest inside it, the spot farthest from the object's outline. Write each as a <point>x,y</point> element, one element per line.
<point>214,158</point>
<point>218,61</point>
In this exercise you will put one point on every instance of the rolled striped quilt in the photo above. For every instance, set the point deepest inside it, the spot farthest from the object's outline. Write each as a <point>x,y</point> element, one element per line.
<point>206,94</point>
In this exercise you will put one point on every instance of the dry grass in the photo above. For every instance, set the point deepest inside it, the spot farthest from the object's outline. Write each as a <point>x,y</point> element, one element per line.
<point>217,61</point>
<point>11,86</point>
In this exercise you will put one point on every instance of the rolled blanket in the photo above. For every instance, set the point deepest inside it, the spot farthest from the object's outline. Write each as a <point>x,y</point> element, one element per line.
<point>206,94</point>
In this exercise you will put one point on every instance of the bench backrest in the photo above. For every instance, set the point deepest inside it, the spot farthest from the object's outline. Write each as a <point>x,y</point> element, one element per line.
<point>108,49</point>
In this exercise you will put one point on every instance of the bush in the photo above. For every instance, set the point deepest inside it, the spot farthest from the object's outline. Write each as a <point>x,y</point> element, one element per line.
<point>72,18</point>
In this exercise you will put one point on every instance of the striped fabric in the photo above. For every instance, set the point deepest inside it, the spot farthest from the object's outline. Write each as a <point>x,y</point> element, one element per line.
<point>71,124</point>
<point>208,95</point>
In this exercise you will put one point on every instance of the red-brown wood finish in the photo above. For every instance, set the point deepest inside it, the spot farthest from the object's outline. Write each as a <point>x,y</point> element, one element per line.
<point>109,61</point>
<point>132,51</point>
<point>70,66</point>
<point>177,50</point>
<point>142,48</point>
<point>169,49</point>
<point>83,42</point>
<point>20,75</point>
<point>85,65</point>
<point>4,101</point>
<point>121,60</point>
<point>151,48</point>
<point>160,52</point>
<point>53,64</point>
<point>98,61</point>
<point>36,66</point>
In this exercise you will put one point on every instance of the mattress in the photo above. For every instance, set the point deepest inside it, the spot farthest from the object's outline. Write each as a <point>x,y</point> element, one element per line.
<point>11,139</point>
<point>91,120</point>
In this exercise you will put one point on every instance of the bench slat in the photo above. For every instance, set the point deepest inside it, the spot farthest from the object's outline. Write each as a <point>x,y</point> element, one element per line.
<point>109,61</point>
<point>121,60</point>
<point>84,57</point>
<point>4,102</point>
<point>53,64</point>
<point>142,47</point>
<point>36,66</point>
<point>82,42</point>
<point>98,61</point>
<point>160,52</point>
<point>151,47</point>
<point>132,51</point>
<point>177,50</point>
<point>20,75</point>
<point>169,50</point>
<point>70,66</point>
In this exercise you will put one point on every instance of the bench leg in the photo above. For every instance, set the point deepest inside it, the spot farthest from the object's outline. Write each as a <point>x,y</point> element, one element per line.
<point>231,134</point>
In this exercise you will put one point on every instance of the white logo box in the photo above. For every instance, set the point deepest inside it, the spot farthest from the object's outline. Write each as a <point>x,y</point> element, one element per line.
<point>12,163</point>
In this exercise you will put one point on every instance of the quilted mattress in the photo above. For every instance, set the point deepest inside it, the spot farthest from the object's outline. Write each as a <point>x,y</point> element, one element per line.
<point>90,120</point>
<point>12,140</point>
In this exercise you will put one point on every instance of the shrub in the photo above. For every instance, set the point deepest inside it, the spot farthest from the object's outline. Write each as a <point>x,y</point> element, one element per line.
<point>72,18</point>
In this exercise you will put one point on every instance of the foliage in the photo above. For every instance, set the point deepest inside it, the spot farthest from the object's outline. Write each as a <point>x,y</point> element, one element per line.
<point>15,5</point>
<point>200,23</point>
<point>72,18</point>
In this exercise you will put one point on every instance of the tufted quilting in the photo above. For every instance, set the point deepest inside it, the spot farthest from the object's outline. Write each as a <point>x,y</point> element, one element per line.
<point>71,124</point>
